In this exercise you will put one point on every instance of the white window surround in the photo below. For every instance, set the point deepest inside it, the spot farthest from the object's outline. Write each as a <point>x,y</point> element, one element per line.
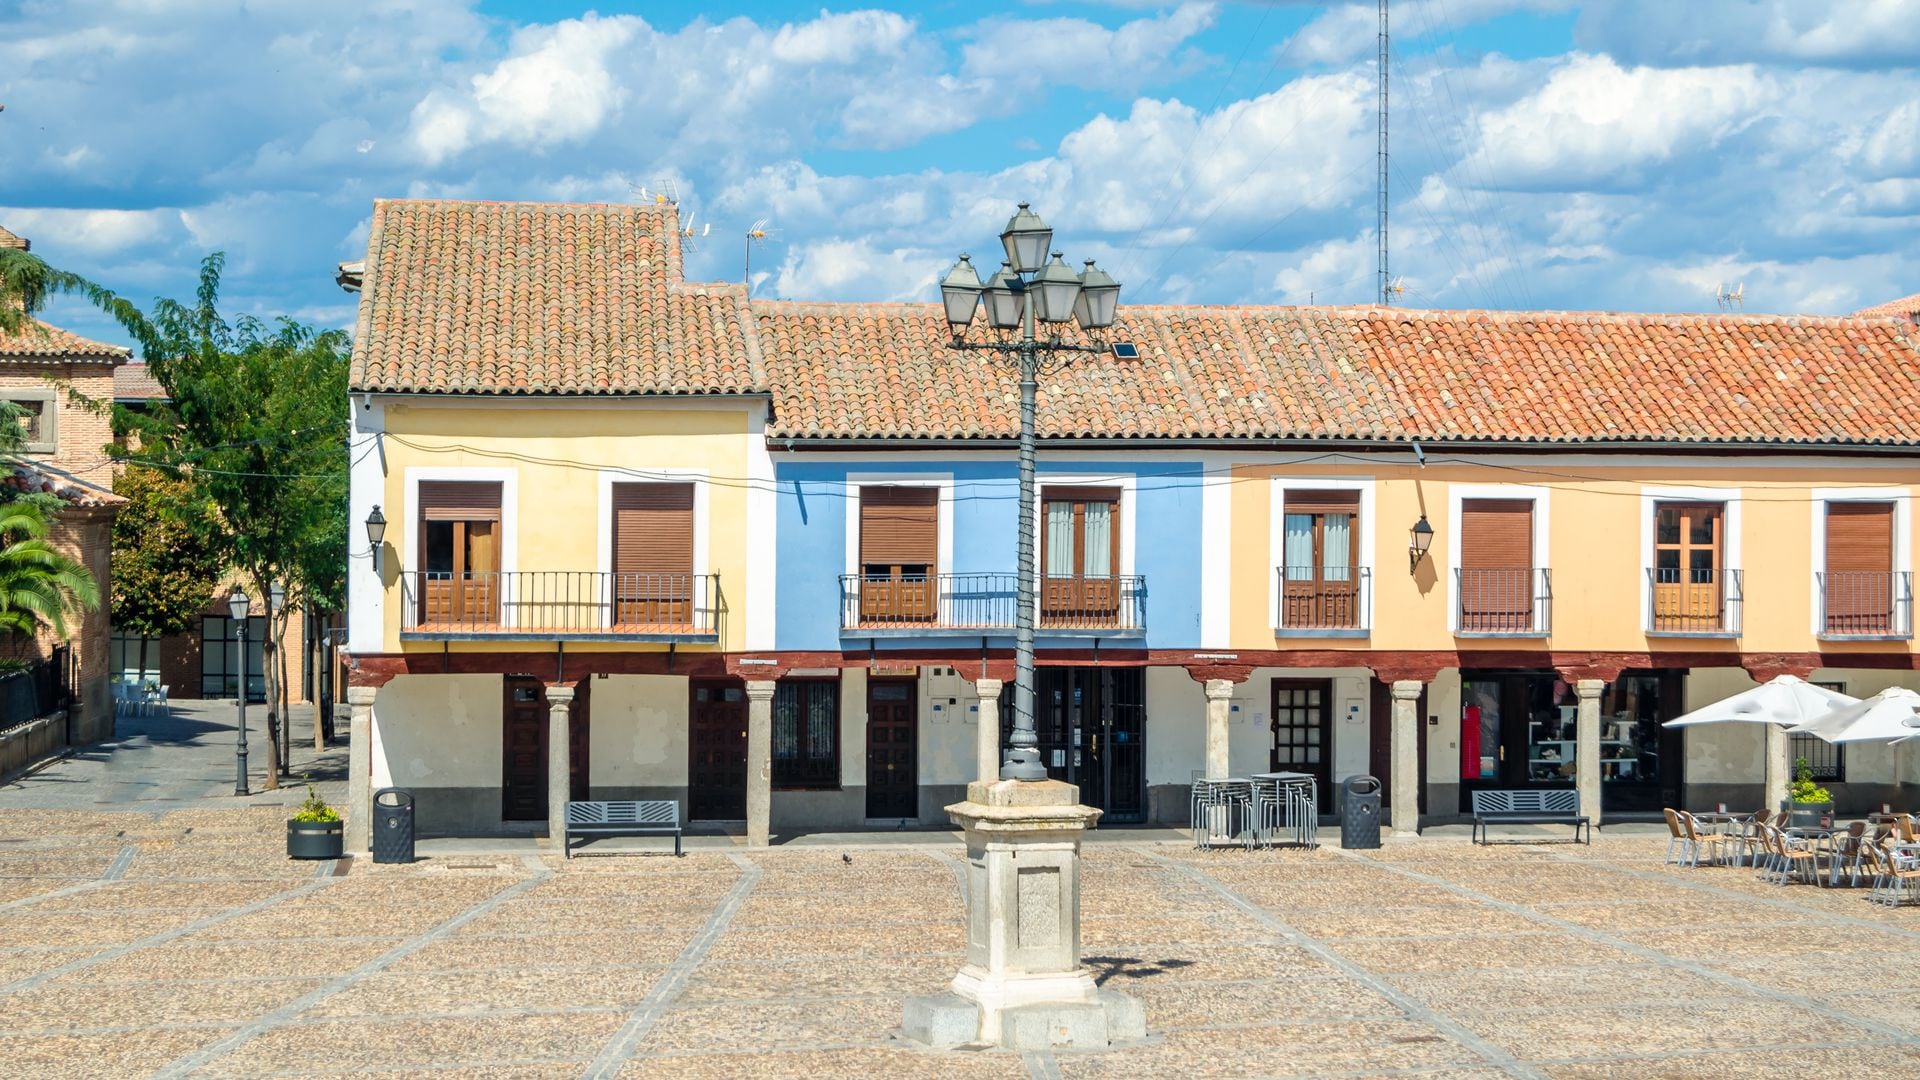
<point>1651,497</point>
<point>941,481</point>
<point>1124,481</point>
<point>1902,501</point>
<point>1460,493</point>
<point>603,544</point>
<point>1365,533</point>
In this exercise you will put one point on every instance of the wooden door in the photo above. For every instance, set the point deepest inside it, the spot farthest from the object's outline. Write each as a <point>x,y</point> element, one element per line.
<point>717,752</point>
<point>899,552</point>
<point>524,739</point>
<point>1688,590</point>
<point>653,554</point>
<point>1496,565</point>
<point>1319,571</point>
<point>459,531</point>
<point>893,787</point>
<point>1302,727</point>
<point>580,740</point>
<point>1858,587</point>
<point>1380,741</point>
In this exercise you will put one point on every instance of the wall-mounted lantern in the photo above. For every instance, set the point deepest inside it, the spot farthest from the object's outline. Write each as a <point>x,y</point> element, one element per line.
<point>1421,539</point>
<point>376,532</point>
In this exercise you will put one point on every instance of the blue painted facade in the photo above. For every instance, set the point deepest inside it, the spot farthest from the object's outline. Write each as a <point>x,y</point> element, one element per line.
<point>1162,509</point>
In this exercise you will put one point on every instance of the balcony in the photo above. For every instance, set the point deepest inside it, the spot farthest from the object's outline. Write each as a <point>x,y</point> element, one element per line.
<point>1503,602</point>
<point>561,605</point>
<point>1693,603</point>
<point>915,604</point>
<point>1866,606</point>
<point>1311,606</point>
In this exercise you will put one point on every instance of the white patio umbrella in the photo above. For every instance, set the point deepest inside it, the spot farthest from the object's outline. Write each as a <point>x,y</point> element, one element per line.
<point>1885,715</point>
<point>1780,703</point>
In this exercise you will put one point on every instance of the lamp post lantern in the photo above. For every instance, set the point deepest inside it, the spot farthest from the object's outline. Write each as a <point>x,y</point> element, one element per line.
<point>1023,986</point>
<point>237,605</point>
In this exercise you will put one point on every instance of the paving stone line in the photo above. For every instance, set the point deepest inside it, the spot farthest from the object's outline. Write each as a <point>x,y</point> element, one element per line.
<point>1412,1007</point>
<point>161,938</point>
<point>1715,890</point>
<point>1041,1065</point>
<point>1681,1053</point>
<point>959,871</point>
<point>667,987</point>
<point>113,873</point>
<point>285,1013</point>
<point>1644,951</point>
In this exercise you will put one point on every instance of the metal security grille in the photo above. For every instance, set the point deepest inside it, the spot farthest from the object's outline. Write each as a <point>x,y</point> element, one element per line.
<point>1828,761</point>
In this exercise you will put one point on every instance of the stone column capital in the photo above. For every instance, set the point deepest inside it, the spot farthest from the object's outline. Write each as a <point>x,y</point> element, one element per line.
<point>760,689</point>
<point>558,696</point>
<point>988,688</point>
<point>1220,689</point>
<point>1407,689</point>
<point>361,695</point>
<point>1589,688</point>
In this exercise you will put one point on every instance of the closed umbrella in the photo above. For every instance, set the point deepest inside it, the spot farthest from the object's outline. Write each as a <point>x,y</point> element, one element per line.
<point>1883,716</point>
<point>1780,703</point>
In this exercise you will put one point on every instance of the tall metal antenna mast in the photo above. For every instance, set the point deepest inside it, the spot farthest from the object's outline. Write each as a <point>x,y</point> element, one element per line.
<point>1386,282</point>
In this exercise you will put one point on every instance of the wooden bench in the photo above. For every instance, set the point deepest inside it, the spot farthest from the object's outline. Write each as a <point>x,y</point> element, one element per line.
<point>628,817</point>
<point>1554,806</point>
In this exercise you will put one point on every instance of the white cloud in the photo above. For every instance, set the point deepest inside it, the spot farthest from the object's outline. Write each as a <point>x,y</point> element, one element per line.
<point>91,232</point>
<point>1009,55</point>
<point>1854,33</point>
<point>1594,123</point>
<point>842,39</point>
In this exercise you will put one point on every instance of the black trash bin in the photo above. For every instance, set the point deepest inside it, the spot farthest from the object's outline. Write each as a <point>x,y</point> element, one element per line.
<point>393,826</point>
<point>1360,814</point>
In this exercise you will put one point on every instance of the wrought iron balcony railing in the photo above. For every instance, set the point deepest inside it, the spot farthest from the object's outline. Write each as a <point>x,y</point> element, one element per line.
<point>543,603</point>
<point>1515,601</point>
<point>987,602</point>
<point>1866,604</point>
<point>1312,603</point>
<point>1698,601</point>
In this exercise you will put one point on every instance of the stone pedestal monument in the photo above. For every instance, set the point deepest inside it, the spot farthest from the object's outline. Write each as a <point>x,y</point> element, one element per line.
<point>1022,986</point>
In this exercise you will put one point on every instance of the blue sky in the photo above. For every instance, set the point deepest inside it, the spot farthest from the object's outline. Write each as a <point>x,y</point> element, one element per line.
<point>1605,154</point>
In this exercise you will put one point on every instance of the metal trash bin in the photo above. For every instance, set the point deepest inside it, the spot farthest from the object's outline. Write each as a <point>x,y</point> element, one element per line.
<point>392,826</point>
<point>1360,813</point>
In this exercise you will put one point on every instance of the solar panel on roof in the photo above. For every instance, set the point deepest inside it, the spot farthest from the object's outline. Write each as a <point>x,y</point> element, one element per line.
<point>1126,350</point>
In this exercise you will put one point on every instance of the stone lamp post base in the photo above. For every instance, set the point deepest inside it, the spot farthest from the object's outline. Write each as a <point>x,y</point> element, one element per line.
<point>1022,987</point>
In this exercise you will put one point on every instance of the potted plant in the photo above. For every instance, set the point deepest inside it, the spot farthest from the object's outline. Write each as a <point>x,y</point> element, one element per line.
<point>1811,802</point>
<point>315,831</point>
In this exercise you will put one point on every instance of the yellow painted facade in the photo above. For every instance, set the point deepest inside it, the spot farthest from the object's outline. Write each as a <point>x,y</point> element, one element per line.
<point>1598,529</point>
<point>556,458</point>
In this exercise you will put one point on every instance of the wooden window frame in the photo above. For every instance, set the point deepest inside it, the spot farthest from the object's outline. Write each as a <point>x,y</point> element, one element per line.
<point>49,416</point>
<point>1684,594</point>
<point>1077,595</point>
<point>899,593</point>
<point>1497,599</point>
<point>649,597</point>
<point>1320,602</point>
<point>805,771</point>
<point>461,597</point>
<point>1859,602</point>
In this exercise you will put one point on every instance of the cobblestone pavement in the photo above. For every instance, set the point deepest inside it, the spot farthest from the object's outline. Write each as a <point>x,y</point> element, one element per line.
<point>182,943</point>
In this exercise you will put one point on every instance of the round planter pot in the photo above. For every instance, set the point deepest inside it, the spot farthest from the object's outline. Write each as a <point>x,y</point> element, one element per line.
<point>316,839</point>
<point>1807,815</point>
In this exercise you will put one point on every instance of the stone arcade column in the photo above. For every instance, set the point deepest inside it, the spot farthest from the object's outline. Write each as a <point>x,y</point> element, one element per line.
<point>1405,743</point>
<point>559,760</point>
<point>1219,711</point>
<point>1023,986</point>
<point>759,762</point>
<point>359,835</point>
<point>986,739</point>
<point>1779,767</point>
<point>1586,751</point>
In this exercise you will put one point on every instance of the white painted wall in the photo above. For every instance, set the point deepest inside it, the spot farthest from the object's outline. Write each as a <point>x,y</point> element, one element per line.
<point>433,731</point>
<point>1176,726</point>
<point>1250,734</point>
<point>853,727</point>
<point>949,720</point>
<point>638,731</point>
<point>1443,741</point>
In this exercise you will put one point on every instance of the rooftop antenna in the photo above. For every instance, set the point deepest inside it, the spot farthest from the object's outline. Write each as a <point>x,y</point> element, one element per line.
<point>1730,299</point>
<point>689,239</point>
<point>1386,283</point>
<point>756,237</point>
<point>666,192</point>
<point>1397,288</point>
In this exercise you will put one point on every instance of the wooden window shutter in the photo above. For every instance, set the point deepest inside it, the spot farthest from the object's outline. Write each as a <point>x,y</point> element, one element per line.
<point>1323,502</point>
<point>1064,493</point>
<point>653,529</point>
<point>899,525</point>
<point>1859,538</point>
<point>1496,534</point>
<point>459,500</point>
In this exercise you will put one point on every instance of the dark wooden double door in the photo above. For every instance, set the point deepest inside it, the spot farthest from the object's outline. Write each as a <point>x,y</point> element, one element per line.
<point>526,719</point>
<point>893,786</point>
<point>717,751</point>
<point>1092,726</point>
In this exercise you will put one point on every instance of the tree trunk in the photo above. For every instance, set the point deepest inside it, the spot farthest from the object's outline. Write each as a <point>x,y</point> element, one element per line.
<point>313,680</point>
<point>286,713</point>
<point>267,651</point>
<point>141,677</point>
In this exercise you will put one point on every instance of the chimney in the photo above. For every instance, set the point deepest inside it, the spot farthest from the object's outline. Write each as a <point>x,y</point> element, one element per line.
<point>8,240</point>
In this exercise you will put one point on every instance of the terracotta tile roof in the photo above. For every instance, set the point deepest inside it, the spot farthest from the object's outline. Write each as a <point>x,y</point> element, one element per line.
<point>134,382</point>
<point>10,240</point>
<point>873,372</point>
<point>39,341</point>
<point>1907,307</point>
<point>527,298</point>
<point>33,479</point>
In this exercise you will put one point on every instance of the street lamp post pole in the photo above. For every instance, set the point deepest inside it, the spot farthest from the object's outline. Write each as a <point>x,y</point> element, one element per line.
<point>240,722</point>
<point>1023,749</point>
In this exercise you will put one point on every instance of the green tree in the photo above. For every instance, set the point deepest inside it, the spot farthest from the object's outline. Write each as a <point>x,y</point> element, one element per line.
<point>165,565</point>
<point>26,282</point>
<point>253,426</point>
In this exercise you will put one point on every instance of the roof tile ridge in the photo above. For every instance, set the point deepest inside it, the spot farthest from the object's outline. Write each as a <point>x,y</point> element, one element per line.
<point>363,313</point>
<point>545,204</point>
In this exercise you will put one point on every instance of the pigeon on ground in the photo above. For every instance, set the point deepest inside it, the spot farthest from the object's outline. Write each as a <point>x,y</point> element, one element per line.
<point>845,858</point>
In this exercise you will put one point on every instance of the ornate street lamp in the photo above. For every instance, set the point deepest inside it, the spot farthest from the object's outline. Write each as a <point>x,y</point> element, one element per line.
<point>376,532</point>
<point>1027,289</point>
<point>1420,539</point>
<point>237,607</point>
